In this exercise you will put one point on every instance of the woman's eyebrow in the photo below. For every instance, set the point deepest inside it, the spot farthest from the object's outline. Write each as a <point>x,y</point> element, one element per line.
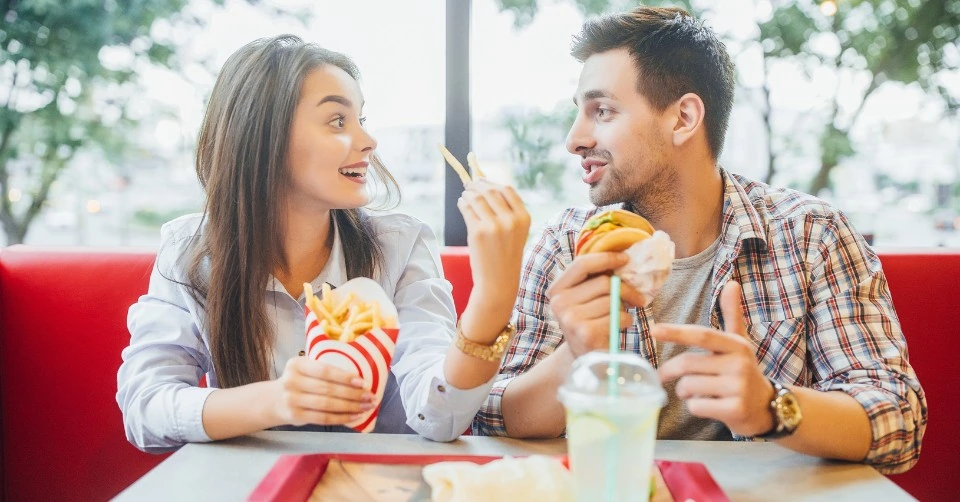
<point>336,99</point>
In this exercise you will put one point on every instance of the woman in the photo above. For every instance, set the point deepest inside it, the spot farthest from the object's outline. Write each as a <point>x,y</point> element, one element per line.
<point>285,162</point>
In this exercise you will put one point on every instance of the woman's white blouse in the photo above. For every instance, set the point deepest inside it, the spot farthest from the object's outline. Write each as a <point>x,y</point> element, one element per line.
<point>169,350</point>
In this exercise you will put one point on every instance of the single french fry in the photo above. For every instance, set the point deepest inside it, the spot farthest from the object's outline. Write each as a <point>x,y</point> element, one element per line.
<point>307,290</point>
<point>376,316</point>
<point>322,313</point>
<point>334,331</point>
<point>344,304</point>
<point>475,166</point>
<point>362,327</point>
<point>327,296</point>
<point>455,164</point>
<point>366,314</point>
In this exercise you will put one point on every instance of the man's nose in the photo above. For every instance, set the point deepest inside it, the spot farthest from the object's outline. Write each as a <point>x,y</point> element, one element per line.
<point>580,137</point>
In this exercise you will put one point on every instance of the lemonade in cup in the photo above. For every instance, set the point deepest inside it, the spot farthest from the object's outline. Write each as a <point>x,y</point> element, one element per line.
<point>611,436</point>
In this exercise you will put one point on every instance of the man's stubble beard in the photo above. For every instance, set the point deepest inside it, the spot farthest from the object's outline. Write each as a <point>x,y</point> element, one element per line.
<point>651,199</point>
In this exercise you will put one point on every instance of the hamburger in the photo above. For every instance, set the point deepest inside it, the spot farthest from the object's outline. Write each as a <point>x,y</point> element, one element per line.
<point>612,231</point>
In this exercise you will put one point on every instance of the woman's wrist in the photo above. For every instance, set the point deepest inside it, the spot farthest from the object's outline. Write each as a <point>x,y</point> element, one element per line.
<point>482,321</point>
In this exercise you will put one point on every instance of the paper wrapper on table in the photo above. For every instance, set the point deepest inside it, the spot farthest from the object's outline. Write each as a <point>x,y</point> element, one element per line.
<point>368,355</point>
<point>650,263</point>
<point>537,477</point>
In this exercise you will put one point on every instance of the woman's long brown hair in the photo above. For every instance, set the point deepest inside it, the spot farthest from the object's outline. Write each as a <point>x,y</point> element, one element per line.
<point>242,166</point>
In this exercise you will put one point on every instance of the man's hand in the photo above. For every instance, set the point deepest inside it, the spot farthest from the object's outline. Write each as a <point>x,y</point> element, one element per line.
<point>725,384</point>
<point>580,301</point>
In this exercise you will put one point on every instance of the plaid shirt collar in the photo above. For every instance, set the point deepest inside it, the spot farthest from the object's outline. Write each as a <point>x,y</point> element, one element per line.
<point>741,222</point>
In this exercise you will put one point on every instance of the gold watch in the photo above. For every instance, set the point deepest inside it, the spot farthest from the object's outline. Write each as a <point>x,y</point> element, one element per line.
<point>491,353</point>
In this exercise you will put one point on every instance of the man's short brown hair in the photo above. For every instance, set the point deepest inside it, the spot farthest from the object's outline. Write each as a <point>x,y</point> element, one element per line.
<point>674,55</point>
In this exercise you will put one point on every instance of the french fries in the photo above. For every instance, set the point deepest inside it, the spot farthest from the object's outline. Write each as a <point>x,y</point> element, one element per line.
<point>474,166</point>
<point>458,167</point>
<point>345,318</point>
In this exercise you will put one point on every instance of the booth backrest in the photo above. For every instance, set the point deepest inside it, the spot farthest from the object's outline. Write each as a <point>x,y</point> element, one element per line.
<point>926,293</point>
<point>63,325</point>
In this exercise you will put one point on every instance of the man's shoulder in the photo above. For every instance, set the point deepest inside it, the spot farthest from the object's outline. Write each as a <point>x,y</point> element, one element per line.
<point>779,204</point>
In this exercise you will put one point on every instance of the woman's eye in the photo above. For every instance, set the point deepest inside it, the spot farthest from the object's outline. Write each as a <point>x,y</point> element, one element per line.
<point>602,112</point>
<point>337,122</point>
<point>363,121</point>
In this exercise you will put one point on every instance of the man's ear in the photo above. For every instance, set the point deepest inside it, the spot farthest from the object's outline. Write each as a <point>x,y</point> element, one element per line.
<point>689,113</point>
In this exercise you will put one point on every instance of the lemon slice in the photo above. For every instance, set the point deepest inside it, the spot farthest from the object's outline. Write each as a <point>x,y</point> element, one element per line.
<point>643,427</point>
<point>586,428</point>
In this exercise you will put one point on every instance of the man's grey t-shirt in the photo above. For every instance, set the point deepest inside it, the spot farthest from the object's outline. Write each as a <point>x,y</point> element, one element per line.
<point>685,299</point>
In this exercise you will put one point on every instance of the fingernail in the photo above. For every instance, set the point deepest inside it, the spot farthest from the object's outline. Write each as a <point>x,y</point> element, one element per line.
<point>366,406</point>
<point>357,382</point>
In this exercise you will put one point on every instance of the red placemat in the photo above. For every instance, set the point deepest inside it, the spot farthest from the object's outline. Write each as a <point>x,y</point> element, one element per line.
<point>294,477</point>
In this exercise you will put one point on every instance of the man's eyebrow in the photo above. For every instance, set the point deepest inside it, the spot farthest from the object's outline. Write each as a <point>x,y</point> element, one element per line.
<point>594,94</point>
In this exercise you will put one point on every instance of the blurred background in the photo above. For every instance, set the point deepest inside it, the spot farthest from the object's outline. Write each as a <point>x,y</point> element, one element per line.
<point>101,101</point>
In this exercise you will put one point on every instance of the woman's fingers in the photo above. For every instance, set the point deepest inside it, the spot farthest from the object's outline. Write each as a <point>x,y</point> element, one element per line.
<point>328,404</point>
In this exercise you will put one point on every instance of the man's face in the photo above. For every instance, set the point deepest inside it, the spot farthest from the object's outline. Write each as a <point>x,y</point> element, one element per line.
<point>622,139</point>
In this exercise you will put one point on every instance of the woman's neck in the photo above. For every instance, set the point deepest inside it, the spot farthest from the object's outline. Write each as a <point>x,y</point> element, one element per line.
<point>307,244</point>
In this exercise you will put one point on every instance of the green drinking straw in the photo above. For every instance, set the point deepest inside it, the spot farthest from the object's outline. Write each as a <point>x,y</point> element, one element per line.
<point>613,390</point>
<point>614,371</point>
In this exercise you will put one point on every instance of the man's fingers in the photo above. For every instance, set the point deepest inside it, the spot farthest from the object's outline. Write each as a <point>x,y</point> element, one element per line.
<point>631,296</point>
<point>588,265</point>
<point>699,336</point>
<point>722,409</point>
<point>693,386</point>
<point>733,321</point>
<point>690,363</point>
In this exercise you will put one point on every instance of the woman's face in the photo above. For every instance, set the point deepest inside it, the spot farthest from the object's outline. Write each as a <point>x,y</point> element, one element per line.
<point>329,150</point>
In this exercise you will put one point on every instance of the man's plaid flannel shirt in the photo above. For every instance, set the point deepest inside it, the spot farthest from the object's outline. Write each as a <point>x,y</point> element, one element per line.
<point>814,295</point>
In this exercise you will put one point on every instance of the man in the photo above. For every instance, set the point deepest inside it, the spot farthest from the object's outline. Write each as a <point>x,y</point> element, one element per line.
<point>776,322</point>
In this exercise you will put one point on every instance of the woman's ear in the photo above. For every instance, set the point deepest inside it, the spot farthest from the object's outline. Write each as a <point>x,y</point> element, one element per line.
<point>689,118</point>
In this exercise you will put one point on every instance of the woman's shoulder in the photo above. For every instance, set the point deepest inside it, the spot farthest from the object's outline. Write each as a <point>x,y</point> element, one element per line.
<point>181,228</point>
<point>386,223</point>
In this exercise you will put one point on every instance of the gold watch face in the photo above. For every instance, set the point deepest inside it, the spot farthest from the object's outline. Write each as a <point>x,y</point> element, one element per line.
<point>789,411</point>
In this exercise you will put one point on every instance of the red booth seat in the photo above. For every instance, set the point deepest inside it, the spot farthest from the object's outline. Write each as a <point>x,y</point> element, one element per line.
<point>63,325</point>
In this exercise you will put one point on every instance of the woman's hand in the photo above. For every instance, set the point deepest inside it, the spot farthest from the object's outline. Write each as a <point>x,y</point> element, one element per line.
<point>315,393</point>
<point>497,228</point>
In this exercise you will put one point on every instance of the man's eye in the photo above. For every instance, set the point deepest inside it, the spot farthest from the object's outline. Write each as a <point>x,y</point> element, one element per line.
<point>602,112</point>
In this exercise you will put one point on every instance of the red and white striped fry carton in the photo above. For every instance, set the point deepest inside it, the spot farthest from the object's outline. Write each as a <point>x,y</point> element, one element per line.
<point>368,355</point>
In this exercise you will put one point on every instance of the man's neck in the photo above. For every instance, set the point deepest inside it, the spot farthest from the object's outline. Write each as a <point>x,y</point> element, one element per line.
<point>695,223</point>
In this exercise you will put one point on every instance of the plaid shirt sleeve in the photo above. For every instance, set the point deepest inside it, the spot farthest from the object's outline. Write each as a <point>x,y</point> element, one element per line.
<point>857,345</point>
<point>538,333</point>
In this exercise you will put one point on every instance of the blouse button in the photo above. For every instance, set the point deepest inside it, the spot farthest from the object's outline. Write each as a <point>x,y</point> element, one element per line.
<point>441,388</point>
<point>421,417</point>
<point>302,353</point>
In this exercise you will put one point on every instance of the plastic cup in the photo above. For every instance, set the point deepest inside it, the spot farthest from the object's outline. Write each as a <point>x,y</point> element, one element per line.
<point>611,432</point>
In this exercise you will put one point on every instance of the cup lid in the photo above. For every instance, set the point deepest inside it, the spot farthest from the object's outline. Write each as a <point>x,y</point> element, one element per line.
<point>589,379</point>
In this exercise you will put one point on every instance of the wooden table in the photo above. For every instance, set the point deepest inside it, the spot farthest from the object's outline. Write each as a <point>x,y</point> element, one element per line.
<point>229,470</point>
